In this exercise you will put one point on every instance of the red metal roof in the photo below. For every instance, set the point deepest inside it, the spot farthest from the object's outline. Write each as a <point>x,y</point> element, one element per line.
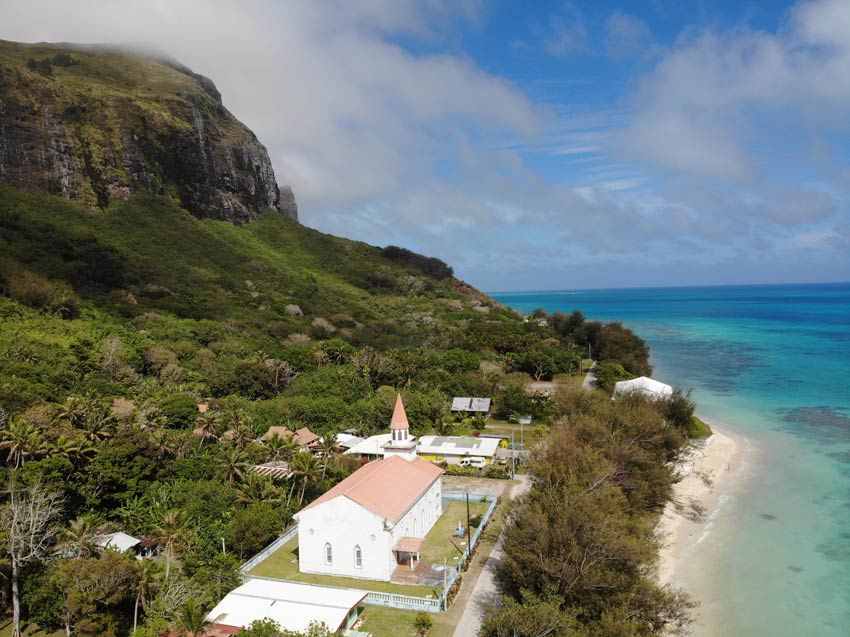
<point>386,487</point>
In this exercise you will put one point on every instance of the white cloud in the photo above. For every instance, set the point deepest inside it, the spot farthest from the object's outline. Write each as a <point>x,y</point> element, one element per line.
<point>714,95</point>
<point>626,35</point>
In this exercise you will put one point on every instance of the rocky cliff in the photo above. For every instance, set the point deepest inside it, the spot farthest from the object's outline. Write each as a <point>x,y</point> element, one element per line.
<point>94,124</point>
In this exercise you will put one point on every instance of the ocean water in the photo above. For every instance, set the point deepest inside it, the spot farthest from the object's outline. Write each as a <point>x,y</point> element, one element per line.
<point>771,365</point>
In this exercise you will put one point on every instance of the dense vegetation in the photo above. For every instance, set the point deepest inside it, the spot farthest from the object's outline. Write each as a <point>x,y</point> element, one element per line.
<point>580,547</point>
<point>117,324</point>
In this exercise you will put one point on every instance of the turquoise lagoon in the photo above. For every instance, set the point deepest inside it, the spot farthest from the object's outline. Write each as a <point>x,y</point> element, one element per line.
<point>770,364</point>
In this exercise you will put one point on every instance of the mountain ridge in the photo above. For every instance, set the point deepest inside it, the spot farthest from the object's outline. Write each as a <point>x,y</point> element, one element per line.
<point>94,124</point>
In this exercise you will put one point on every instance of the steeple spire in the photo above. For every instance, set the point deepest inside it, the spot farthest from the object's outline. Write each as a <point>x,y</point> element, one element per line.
<point>399,419</point>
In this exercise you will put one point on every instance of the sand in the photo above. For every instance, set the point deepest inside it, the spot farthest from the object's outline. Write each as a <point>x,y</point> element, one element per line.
<point>708,472</point>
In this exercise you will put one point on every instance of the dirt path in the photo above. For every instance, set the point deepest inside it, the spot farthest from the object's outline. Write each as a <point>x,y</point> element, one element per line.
<point>486,594</point>
<point>590,380</point>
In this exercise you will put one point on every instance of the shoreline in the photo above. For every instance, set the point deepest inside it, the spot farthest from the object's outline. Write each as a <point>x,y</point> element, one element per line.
<point>710,472</point>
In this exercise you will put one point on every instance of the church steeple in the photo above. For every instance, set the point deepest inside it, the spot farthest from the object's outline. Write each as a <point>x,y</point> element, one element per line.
<point>398,424</point>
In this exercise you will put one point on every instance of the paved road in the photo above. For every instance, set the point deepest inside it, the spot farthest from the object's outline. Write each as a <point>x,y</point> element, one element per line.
<point>486,593</point>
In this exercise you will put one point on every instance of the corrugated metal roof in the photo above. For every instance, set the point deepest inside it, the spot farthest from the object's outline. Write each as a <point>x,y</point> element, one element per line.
<point>466,403</point>
<point>292,605</point>
<point>386,487</point>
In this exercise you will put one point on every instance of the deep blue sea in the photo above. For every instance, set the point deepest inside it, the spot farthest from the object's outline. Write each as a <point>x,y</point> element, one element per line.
<point>770,365</point>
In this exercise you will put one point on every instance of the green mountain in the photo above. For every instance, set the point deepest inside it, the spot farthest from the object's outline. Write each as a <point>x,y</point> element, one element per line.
<point>92,244</point>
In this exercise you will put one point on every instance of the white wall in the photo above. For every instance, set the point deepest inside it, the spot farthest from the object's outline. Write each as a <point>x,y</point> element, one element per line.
<point>344,524</point>
<point>421,516</point>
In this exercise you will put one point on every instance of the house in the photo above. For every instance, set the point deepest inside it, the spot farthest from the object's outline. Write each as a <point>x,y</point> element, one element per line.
<point>371,447</point>
<point>292,605</point>
<point>648,387</point>
<point>451,449</point>
<point>347,440</point>
<point>303,437</point>
<point>118,541</point>
<point>471,405</point>
<point>377,517</point>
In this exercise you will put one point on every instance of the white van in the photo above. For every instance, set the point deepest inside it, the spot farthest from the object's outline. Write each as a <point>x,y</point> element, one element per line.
<point>473,461</point>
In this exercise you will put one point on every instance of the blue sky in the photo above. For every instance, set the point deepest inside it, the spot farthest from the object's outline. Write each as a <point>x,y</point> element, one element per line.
<point>534,145</point>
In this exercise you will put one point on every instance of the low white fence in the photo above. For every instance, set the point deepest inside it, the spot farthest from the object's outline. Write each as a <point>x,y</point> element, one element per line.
<point>271,548</point>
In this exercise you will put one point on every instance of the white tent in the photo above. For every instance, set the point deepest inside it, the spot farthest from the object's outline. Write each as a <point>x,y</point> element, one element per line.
<point>293,606</point>
<point>647,386</point>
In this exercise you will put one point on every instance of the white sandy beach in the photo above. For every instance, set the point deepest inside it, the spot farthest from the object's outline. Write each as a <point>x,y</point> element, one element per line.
<point>709,472</point>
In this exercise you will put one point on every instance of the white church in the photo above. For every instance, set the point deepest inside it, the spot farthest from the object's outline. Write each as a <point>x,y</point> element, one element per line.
<point>376,518</point>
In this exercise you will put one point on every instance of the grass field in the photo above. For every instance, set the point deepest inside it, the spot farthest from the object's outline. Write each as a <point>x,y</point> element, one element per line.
<point>438,543</point>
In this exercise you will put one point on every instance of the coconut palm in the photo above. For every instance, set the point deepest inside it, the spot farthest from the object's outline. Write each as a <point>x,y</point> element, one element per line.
<point>305,470</point>
<point>207,425</point>
<point>21,440</point>
<point>78,540</point>
<point>256,489</point>
<point>192,620</point>
<point>234,465</point>
<point>148,582</point>
<point>327,449</point>
<point>170,533</point>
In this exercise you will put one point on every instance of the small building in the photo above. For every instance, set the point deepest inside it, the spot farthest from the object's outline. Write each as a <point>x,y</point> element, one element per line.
<point>370,448</point>
<point>471,405</point>
<point>649,387</point>
<point>347,440</point>
<point>118,541</point>
<point>376,518</point>
<point>303,437</point>
<point>451,449</point>
<point>292,605</point>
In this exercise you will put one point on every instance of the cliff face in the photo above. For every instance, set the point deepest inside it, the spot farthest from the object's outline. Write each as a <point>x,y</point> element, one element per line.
<point>92,125</point>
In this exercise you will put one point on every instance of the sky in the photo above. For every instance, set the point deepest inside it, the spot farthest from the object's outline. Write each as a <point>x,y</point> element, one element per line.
<point>532,145</point>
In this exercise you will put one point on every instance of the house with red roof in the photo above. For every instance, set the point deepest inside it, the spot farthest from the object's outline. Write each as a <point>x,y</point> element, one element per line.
<point>377,517</point>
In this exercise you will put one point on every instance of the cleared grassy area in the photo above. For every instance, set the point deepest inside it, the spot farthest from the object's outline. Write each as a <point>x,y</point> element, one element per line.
<point>283,564</point>
<point>388,622</point>
<point>438,543</point>
<point>32,631</point>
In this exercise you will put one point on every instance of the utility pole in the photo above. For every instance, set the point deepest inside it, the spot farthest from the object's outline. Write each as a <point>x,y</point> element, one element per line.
<point>513,457</point>
<point>468,527</point>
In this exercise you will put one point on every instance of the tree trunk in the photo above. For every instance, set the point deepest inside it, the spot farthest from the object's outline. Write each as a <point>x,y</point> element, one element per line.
<point>136,612</point>
<point>16,601</point>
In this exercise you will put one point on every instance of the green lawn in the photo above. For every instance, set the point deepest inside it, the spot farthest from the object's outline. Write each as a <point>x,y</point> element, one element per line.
<point>283,564</point>
<point>32,631</point>
<point>388,622</point>
<point>438,543</point>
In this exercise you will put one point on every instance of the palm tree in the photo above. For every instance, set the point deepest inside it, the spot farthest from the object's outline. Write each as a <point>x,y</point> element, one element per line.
<point>161,440</point>
<point>234,465</point>
<point>22,440</point>
<point>326,448</point>
<point>78,540</point>
<point>148,583</point>
<point>73,448</point>
<point>256,488</point>
<point>243,434</point>
<point>170,533</point>
<point>305,469</point>
<point>207,425</point>
<point>192,620</point>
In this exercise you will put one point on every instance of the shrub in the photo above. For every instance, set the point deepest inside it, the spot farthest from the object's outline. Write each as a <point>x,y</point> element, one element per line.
<point>423,622</point>
<point>430,266</point>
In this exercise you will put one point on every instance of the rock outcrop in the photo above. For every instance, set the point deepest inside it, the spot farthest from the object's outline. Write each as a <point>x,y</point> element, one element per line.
<point>95,124</point>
